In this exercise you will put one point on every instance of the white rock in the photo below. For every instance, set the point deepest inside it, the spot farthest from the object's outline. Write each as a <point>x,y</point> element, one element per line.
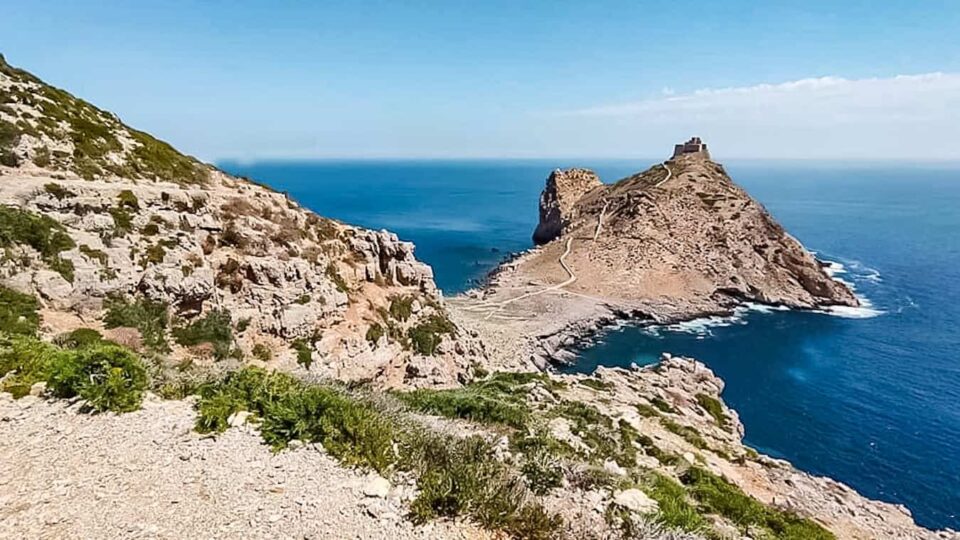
<point>689,457</point>
<point>238,418</point>
<point>38,389</point>
<point>613,467</point>
<point>376,486</point>
<point>635,501</point>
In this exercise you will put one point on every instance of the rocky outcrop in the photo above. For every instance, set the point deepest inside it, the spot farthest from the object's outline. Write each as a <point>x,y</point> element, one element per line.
<point>558,201</point>
<point>137,219</point>
<point>682,233</point>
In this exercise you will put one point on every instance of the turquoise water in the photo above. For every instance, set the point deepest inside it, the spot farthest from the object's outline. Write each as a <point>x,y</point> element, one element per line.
<point>873,401</point>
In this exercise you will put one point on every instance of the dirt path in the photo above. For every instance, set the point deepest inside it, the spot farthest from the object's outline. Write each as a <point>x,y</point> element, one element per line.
<point>147,474</point>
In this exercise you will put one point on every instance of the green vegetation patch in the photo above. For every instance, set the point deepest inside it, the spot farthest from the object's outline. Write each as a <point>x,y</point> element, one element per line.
<point>18,312</point>
<point>214,328</point>
<point>304,349</point>
<point>42,233</point>
<point>151,318</point>
<point>108,376</point>
<point>689,434</point>
<point>401,307</point>
<point>498,399</point>
<point>57,191</point>
<point>596,384</point>
<point>676,508</point>
<point>426,336</point>
<point>714,408</point>
<point>717,496</point>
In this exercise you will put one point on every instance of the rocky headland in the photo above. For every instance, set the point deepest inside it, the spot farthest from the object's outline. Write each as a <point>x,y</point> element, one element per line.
<point>676,242</point>
<point>184,353</point>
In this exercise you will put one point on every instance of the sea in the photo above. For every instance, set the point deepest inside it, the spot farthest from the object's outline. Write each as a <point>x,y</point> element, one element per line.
<point>868,396</point>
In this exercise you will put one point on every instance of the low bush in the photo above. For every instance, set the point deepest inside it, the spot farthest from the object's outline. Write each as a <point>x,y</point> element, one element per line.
<point>714,408</point>
<point>304,350</point>
<point>349,428</point>
<point>18,312</point>
<point>214,328</point>
<point>401,307</point>
<point>42,233</point>
<point>374,333</point>
<point>675,507</point>
<point>334,275</point>
<point>106,375</point>
<point>149,317</point>
<point>80,338</point>
<point>426,336</point>
<point>57,191</point>
<point>262,352</point>
<point>498,399</point>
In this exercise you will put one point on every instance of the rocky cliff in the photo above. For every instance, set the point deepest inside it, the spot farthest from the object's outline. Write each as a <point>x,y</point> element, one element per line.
<point>98,217</point>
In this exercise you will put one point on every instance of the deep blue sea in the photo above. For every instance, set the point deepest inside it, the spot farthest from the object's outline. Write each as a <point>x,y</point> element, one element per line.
<point>871,399</point>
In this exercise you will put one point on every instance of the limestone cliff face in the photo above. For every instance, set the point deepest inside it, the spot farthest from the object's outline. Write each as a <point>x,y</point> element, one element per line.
<point>558,201</point>
<point>144,221</point>
<point>683,236</point>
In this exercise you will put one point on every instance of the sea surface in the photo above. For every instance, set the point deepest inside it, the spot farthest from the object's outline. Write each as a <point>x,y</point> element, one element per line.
<point>870,397</point>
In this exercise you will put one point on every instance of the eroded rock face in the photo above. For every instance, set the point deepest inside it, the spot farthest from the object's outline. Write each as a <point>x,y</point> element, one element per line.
<point>163,226</point>
<point>559,198</point>
<point>688,237</point>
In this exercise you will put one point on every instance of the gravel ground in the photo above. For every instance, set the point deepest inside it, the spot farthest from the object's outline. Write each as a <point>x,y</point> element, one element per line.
<point>149,475</point>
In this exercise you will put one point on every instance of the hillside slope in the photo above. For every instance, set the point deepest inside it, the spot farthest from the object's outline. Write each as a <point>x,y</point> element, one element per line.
<point>100,220</point>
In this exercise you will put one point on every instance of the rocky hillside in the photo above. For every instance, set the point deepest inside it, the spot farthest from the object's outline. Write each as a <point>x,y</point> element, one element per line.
<point>682,236</point>
<point>114,230</point>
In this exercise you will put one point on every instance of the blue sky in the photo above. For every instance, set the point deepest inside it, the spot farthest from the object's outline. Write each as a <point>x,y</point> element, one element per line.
<point>820,79</point>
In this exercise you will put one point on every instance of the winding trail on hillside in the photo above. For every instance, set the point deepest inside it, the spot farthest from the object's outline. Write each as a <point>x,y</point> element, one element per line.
<point>498,306</point>
<point>669,174</point>
<point>573,277</point>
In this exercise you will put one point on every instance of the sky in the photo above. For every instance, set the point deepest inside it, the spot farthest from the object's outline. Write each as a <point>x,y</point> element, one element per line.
<point>247,80</point>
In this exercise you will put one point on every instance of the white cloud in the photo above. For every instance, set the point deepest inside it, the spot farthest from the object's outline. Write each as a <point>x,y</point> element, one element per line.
<point>905,116</point>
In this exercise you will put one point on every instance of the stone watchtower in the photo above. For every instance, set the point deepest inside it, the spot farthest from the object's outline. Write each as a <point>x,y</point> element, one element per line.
<point>693,146</point>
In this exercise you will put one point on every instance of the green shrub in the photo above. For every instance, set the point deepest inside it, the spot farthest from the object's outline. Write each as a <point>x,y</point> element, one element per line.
<point>150,229</point>
<point>334,275</point>
<point>689,434</point>
<point>262,352</point>
<point>94,254</point>
<point>42,233</point>
<point>214,328</point>
<point>304,352</point>
<point>718,496</point>
<point>496,400</point>
<point>349,428</point>
<point>108,376</point>
<point>596,384</point>
<point>42,157</point>
<point>122,221</point>
<point>126,199</point>
<point>675,508</point>
<point>646,410</point>
<point>18,312</point>
<point>80,338</point>
<point>374,333</point>
<point>303,299</point>
<point>23,362</point>
<point>659,403</point>
<point>57,191</point>
<point>401,307</point>
<point>461,477</point>
<point>426,336</point>
<point>714,408</point>
<point>147,316</point>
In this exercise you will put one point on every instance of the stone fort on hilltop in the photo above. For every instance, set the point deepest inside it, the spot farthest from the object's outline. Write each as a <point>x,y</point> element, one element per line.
<point>693,146</point>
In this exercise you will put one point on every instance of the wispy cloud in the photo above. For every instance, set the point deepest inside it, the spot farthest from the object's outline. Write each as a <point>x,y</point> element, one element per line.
<point>898,116</point>
<point>916,96</point>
